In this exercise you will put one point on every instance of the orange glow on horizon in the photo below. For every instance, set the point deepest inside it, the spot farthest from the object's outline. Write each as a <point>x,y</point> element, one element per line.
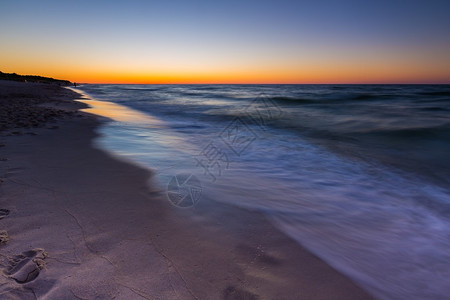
<point>318,76</point>
<point>307,74</point>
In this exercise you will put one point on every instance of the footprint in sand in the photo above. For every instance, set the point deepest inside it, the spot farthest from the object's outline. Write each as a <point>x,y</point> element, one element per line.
<point>25,267</point>
<point>3,213</point>
<point>4,237</point>
<point>234,293</point>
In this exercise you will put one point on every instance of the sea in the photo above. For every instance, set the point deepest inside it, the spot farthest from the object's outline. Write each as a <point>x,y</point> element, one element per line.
<point>357,174</point>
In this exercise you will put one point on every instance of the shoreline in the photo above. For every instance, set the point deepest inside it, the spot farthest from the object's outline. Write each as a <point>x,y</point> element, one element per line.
<point>84,225</point>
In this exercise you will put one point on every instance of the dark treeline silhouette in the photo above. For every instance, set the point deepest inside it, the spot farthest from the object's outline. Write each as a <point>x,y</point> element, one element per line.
<point>32,78</point>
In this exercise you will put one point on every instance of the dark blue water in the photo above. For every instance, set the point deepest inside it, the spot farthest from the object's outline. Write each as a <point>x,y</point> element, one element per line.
<point>358,174</point>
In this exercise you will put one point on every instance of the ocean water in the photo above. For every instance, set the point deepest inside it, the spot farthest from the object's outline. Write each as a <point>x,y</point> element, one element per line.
<point>357,174</point>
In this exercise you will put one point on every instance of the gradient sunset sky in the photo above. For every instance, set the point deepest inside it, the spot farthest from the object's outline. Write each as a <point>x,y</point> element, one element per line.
<point>228,41</point>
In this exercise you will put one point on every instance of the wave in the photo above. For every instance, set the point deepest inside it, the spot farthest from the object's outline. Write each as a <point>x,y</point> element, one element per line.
<point>294,100</point>
<point>436,108</point>
<point>436,93</point>
<point>332,99</point>
<point>139,89</point>
<point>366,97</point>
<point>437,132</point>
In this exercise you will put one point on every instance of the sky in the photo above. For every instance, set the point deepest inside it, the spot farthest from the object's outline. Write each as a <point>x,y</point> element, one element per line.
<point>231,41</point>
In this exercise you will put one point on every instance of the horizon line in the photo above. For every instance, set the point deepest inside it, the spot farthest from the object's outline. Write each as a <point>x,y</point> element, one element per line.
<point>259,83</point>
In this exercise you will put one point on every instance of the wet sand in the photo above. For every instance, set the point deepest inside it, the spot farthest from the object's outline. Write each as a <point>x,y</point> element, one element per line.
<point>75,223</point>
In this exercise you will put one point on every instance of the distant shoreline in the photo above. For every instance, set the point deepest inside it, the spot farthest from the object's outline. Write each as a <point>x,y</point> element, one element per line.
<point>33,78</point>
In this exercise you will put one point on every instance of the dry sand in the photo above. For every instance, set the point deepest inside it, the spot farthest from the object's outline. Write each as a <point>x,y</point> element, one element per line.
<point>77,224</point>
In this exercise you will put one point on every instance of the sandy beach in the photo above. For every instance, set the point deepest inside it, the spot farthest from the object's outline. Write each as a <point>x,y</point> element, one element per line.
<point>75,223</point>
